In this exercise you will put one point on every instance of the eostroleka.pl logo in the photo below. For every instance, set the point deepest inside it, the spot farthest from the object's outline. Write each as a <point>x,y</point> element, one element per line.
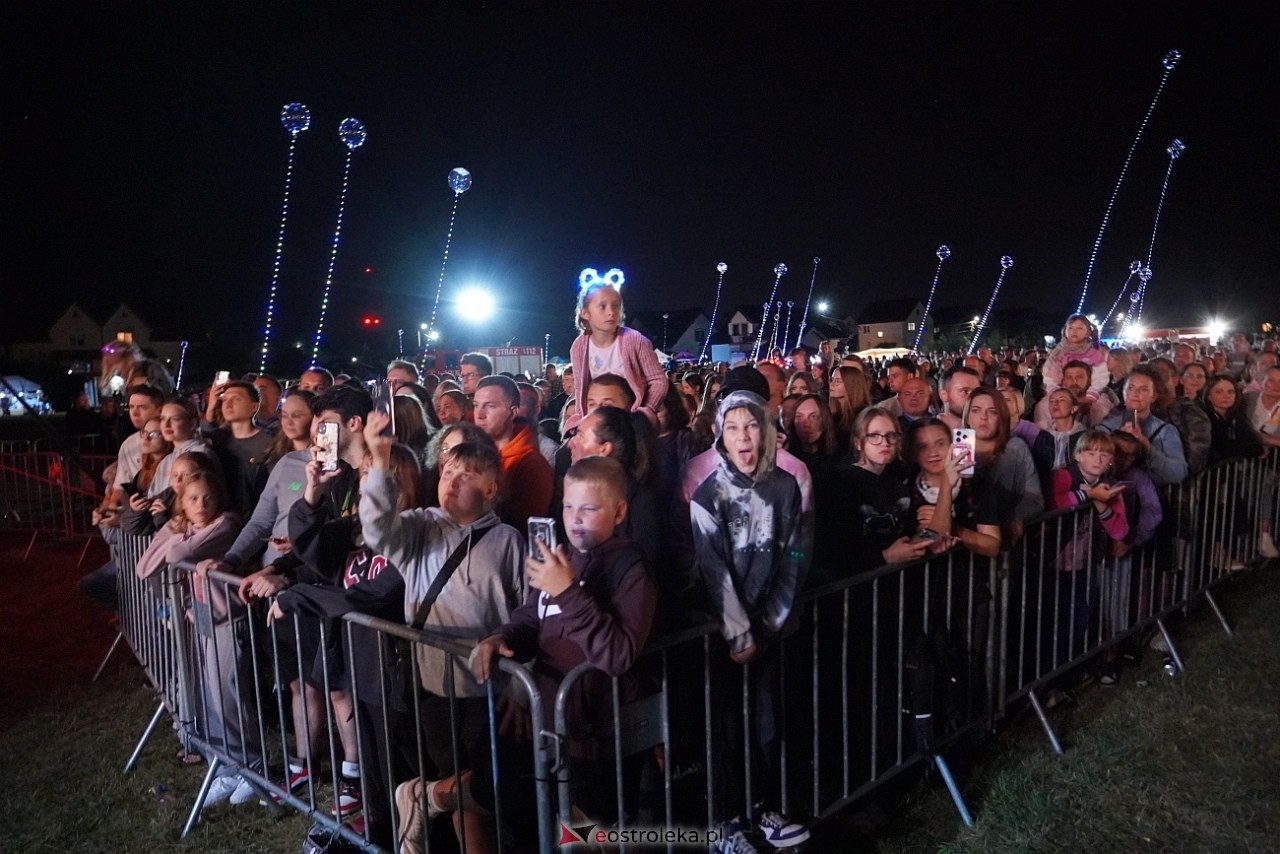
<point>592,834</point>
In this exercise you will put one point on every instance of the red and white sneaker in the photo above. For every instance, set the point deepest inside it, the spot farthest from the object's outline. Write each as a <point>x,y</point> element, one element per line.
<point>348,801</point>
<point>299,777</point>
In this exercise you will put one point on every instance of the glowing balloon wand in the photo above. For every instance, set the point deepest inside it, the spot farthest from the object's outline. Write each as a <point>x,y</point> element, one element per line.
<point>721,268</point>
<point>1174,151</point>
<point>295,118</point>
<point>1134,268</point>
<point>805,316</point>
<point>1005,263</point>
<point>352,134</point>
<point>943,253</point>
<point>459,182</point>
<point>779,270</point>
<point>1170,62</point>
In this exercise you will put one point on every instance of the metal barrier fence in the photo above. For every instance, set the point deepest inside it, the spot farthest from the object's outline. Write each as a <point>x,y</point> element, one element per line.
<point>229,681</point>
<point>888,670</point>
<point>883,673</point>
<point>46,492</point>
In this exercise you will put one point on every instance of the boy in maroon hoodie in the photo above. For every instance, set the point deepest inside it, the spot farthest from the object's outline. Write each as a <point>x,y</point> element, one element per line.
<point>592,602</point>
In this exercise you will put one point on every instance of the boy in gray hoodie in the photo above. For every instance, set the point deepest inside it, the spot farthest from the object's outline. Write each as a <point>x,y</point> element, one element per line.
<point>753,545</point>
<point>481,594</point>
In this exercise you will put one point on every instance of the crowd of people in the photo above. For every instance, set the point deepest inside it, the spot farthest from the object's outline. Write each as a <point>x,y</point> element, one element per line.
<point>671,491</point>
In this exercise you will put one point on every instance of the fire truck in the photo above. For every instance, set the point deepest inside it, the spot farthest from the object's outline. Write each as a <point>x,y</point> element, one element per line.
<point>514,360</point>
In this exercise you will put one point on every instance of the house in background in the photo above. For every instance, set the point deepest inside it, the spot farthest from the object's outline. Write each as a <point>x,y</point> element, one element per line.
<point>672,332</point>
<point>956,323</point>
<point>741,326</point>
<point>826,329</point>
<point>76,337</point>
<point>893,323</point>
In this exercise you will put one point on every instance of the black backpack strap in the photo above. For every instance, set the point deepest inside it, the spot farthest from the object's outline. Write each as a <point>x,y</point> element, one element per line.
<point>442,577</point>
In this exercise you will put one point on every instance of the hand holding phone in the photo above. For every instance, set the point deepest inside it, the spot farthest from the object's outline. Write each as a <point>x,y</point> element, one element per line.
<point>964,448</point>
<point>327,445</point>
<point>384,401</point>
<point>222,378</point>
<point>542,537</point>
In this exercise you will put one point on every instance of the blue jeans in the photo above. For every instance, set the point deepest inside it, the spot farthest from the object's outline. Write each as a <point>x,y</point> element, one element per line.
<point>100,585</point>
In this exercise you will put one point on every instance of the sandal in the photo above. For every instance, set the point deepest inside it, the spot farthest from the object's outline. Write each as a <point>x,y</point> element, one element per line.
<point>186,757</point>
<point>1057,697</point>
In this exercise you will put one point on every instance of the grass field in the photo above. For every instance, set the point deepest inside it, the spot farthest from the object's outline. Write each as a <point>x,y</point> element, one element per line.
<point>1155,764</point>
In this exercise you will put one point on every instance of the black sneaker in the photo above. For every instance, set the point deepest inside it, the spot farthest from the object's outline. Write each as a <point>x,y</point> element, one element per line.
<point>781,832</point>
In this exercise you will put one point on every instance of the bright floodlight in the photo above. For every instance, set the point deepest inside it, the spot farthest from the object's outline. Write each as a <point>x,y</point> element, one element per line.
<point>1217,329</point>
<point>422,326</point>
<point>475,305</point>
<point>434,334</point>
<point>824,306</point>
<point>1137,332</point>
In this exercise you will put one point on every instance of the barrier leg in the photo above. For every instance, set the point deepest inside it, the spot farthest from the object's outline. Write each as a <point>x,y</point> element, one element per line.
<point>214,765</point>
<point>1173,648</point>
<point>84,551</point>
<point>146,734</point>
<point>956,797</point>
<point>115,643</point>
<point>31,545</point>
<point>1044,722</point>
<point>1213,603</point>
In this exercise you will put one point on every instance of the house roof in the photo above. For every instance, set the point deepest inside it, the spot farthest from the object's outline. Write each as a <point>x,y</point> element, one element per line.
<point>888,310</point>
<point>747,310</point>
<point>827,329</point>
<point>954,314</point>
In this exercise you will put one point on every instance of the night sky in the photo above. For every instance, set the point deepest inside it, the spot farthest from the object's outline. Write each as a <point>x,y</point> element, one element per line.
<point>143,158</point>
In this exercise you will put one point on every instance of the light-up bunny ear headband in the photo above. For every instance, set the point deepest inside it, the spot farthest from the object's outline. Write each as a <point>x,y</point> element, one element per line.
<point>589,278</point>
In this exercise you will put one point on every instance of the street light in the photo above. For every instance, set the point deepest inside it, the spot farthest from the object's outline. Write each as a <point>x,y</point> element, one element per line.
<point>475,305</point>
<point>824,307</point>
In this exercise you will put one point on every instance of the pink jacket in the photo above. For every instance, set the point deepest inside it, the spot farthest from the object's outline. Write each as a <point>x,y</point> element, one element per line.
<point>1095,356</point>
<point>168,546</point>
<point>641,370</point>
<point>212,541</point>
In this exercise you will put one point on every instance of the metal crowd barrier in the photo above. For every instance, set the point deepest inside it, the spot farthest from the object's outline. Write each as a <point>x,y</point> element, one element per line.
<point>224,676</point>
<point>888,670</point>
<point>44,492</point>
<point>882,674</point>
<point>148,626</point>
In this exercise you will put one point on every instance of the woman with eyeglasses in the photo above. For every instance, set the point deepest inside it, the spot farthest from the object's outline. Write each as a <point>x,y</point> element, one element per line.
<point>868,520</point>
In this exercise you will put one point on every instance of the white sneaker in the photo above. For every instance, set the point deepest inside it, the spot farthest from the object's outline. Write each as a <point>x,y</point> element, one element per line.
<point>781,832</point>
<point>736,844</point>
<point>243,793</point>
<point>221,789</point>
<point>410,827</point>
<point>1267,546</point>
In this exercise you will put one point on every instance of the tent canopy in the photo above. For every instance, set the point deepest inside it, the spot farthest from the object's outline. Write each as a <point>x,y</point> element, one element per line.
<point>21,385</point>
<point>884,353</point>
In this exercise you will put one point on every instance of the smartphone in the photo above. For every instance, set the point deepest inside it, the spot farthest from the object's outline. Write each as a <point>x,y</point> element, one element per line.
<point>927,535</point>
<point>542,536</point>
<point>964,445</point>
<point>222,378</point>
<point>1131,417</point>
<point>327,442</point>
<point>384,402</point>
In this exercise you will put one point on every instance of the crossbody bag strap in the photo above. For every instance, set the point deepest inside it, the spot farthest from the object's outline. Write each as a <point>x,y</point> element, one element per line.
<point>442,577</point>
